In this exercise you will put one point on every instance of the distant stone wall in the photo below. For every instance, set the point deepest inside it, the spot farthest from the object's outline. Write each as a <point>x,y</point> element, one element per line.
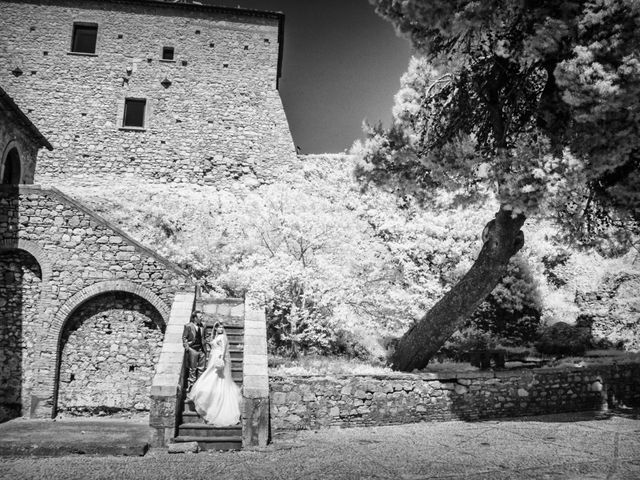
<point>219,120</point>
<point>612,313</point>
<point>311,402</point>
<point>80,256</point>
<point>110,349</point>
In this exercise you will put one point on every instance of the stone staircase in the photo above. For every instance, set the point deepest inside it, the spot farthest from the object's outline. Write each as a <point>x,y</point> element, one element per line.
<point>192,427</point>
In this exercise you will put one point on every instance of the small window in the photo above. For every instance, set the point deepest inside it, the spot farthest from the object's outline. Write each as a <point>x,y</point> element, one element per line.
<point>167,53</point>
<point>134,112</point>
<point>84,38</point>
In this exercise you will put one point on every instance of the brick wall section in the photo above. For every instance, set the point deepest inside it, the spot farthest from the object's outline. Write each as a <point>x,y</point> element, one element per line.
<point>80,256</point>
<point>220,120</point>
<point>312,402</point>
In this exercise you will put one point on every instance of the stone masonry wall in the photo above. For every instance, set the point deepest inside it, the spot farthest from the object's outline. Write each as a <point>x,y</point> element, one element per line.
<point>20,282</point>
<point>110,349</point>
<point>311,402</point>
<point>220,119</point>
<point>80,256</point>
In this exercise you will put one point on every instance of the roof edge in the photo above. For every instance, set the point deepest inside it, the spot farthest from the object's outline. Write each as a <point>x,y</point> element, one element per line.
<point>24,120</point>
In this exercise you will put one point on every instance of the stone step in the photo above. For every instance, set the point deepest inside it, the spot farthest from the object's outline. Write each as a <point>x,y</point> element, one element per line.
<point>213,443</point>
<point>205,430</point>
<point>190,417</point>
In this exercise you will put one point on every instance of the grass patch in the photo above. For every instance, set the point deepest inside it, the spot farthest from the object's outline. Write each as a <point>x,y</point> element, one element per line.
<point>323,365</point>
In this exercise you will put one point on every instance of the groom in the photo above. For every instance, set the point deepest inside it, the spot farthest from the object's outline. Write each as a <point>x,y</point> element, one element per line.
<point>195,346</point>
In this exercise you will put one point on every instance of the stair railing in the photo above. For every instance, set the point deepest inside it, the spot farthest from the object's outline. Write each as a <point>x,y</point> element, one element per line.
<point>168,381</point>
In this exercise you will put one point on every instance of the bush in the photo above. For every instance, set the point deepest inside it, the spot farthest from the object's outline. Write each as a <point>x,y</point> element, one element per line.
<point>511,313</point>
<point>464,341</point>
<point>563,339</point>
<point>347,344</point>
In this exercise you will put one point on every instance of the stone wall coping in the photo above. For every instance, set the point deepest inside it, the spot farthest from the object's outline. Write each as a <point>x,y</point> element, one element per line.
<point>221,301</point>
<point>167,377</point>
<point>7,102</point>
<point>255,366</point>
<point>38,189</point>
<point>451,376</point>
<point>255,376</point>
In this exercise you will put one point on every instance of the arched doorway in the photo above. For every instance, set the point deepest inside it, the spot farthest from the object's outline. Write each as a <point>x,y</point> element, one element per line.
<point>109,348</point>
<point>20,292</point>
<point>11,168</point>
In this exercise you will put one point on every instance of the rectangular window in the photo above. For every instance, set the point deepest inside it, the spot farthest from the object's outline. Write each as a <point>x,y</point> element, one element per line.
<point>84,37</point>
<point>167,53</point>
<point>134,112</point>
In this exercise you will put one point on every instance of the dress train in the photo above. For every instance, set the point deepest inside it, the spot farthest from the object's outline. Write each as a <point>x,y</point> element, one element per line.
<point>216,397</point>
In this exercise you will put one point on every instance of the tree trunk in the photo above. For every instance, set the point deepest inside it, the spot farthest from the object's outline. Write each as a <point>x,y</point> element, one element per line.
<point>502,239</point>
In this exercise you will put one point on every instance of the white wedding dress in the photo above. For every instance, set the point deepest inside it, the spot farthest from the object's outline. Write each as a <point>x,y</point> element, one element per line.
<point>215,395</point>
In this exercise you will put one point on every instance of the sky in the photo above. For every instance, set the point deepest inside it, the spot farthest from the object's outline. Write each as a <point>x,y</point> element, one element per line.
<point>341,64</point>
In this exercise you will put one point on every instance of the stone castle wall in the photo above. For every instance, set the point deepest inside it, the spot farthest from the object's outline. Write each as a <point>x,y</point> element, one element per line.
<point>220,120</point>
<point>311,402</point>
<point>79,256</point>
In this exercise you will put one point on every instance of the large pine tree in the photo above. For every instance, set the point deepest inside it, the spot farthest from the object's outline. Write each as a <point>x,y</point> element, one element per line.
<point>535,102</point>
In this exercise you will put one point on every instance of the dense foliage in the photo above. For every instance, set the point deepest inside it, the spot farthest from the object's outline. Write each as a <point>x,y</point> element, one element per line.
<point>371,266</point>
<point>535,102</point>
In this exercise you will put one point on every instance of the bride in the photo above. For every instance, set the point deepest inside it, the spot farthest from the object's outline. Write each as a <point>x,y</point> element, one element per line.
<point>215,395</point>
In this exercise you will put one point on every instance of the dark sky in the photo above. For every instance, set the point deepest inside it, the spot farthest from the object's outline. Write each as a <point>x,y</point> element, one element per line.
<point>342,64</point>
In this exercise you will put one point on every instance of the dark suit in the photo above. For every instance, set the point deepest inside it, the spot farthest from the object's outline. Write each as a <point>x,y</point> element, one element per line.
<point>195,346</point>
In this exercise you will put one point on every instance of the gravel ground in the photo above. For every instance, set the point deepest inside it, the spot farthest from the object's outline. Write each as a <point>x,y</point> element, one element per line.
<point>572,446</point>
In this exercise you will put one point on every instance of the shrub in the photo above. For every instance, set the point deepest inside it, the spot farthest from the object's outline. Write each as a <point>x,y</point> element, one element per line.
<point>464,341</point>
<point>347,344</point>
<point>563,339</point>
<point>512,312</point>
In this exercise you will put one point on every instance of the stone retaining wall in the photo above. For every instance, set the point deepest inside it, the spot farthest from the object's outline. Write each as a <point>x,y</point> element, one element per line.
<point>311,402</point>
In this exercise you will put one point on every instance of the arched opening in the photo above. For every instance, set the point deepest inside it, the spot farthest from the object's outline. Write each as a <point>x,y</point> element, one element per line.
<point>20,290</point>
<point>109,348</point>
<point>11,168</point>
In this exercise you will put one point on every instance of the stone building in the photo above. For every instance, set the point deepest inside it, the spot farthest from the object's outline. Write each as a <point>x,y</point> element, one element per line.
<point>90,319</point>
<point>165,91</point>
<point>156,91</point>
<point>83,307</point>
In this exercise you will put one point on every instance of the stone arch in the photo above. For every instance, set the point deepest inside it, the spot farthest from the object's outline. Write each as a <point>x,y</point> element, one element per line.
<point>54,341</point>
<point>11,168</point>
<point>104,287</point>
<point>32,248</point>
<point>45,268</point>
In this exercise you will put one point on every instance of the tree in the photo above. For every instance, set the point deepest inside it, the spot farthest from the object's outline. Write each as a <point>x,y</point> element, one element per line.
<point>534,102</point>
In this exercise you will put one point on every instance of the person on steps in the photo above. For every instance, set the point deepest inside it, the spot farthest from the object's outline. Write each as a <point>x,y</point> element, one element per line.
<point>193,340</point>
<point>215,396</point>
